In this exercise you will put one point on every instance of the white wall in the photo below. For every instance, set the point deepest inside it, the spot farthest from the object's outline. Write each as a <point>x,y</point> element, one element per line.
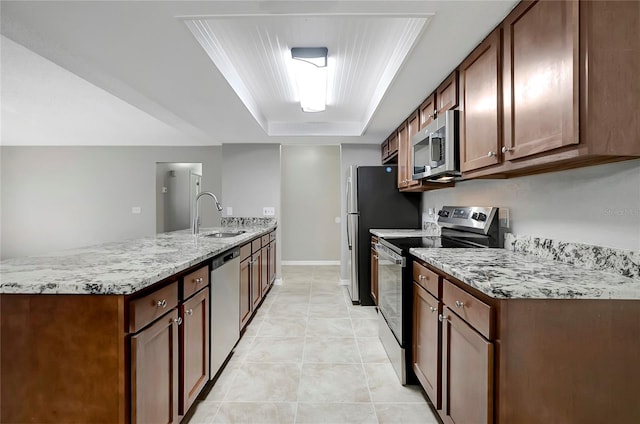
<point>65,197</point>
<point>360,155</point>
<point>310,203</point>
<point>251,181</point>
<point>597,205</point>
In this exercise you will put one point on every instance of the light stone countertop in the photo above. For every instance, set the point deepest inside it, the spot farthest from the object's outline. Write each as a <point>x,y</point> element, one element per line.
<point>123,267</point>
<point>504,274</point>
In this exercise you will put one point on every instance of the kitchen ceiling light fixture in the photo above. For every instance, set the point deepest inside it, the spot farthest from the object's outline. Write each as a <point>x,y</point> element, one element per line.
<point>310,70</point>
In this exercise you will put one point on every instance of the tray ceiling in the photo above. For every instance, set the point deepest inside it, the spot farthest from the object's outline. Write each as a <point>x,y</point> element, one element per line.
<point>365,54</point>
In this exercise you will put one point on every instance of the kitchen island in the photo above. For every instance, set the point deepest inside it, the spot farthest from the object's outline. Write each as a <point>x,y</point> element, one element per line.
<point>82,330</point>
<point>504,337</point>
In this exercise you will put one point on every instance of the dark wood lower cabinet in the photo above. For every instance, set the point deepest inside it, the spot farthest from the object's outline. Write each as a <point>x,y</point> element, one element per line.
<point>154,372</point>
<point>426,343</point>
<point>272,261</point>
<point>256,278</point>
<point>194,348</point>
<point>264,270</point>
<point>374,276</point>
<point>246,305</point>
<point>467,373</point>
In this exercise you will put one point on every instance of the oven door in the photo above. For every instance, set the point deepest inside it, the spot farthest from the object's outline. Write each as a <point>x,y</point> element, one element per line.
<point>390,270</point>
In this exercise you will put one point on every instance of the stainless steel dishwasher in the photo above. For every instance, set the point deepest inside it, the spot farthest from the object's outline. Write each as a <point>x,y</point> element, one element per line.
<point>225,308</point>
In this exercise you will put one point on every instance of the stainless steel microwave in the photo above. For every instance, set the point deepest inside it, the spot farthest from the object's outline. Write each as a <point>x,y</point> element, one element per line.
<point>435,149</point>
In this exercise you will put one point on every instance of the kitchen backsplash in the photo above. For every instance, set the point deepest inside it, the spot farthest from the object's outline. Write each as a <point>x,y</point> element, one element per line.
<point>243,221</point>
<point>625,262</point>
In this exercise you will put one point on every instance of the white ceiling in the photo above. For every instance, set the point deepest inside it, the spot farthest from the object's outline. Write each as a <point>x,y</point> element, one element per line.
<point>140,61</point>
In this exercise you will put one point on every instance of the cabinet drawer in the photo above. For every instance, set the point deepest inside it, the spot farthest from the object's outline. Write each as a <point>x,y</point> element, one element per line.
<point>195,281</point>
<point>477,313</point>
<point>256,245</point>
<point>272,236</point>
<point>144,310</point>
<point>429,280</point>
<point>245,251</point>
<point>265,240</point>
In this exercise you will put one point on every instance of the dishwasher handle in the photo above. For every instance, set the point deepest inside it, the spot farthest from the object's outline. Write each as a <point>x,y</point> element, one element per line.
<point>389,255</point>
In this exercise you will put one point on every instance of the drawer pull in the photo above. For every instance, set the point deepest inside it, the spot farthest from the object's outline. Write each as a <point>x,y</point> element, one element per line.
<point>189,312</point>
<point>459,304</point>
<point>161,303</point>
<point>199,280</point>
<point>442,317</point>
<point>178,320</point>
<point>432,309</point>
<point>422,277</point>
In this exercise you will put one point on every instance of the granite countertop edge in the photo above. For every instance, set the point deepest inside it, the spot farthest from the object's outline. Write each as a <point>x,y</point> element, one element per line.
<point>504,274</point>
<point>126,268</point>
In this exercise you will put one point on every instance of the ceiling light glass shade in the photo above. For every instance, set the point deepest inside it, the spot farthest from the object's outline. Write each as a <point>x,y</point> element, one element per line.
<point>310,70</point>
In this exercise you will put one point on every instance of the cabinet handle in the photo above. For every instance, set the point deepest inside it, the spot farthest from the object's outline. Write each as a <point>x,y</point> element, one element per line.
<point>421,277</point>
<point>432,309</point>
<point>189,312</point>
<point>491,154</point>
<point>442,317</point>
<point>459,304</point>
<point>506,149</point>
<point>178,320</point>
<point>199,280</point>
<point>161,303</point>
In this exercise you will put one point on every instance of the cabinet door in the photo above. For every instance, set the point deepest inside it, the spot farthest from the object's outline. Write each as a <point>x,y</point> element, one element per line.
<point>540,77</point>
<point>481,105</point>
<point>447,94</point>
<point>256,278</point>
<point>412,129</point>
<point>272,262</point>
<point>427,111</point>
<point>154,372</point>
<point>467,373</point>
<point>264,269</point>
<point>403,156</point>
<point>194,343</point>
<point>374,276</point>
<point>384,150</point>
<point>427,343</point>
<point>246,305</point>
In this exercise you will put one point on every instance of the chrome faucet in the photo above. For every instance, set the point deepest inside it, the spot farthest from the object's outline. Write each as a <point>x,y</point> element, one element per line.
<point>196,216</point>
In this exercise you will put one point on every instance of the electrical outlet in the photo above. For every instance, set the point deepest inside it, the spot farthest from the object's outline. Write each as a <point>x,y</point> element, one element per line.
<point>504,217</point>
<point>136,209</point>
<point>268,211</point>
<point>229,211</point>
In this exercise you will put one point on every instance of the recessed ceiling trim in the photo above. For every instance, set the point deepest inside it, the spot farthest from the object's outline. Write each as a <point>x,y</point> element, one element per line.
<point>348,129</point>
<point>213,47</point>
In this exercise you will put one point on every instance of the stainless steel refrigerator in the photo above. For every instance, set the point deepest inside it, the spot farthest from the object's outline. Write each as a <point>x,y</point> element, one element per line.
<point>374,201</point>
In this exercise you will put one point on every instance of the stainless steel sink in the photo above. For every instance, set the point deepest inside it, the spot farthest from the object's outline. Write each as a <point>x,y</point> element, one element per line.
<point>226,234</point>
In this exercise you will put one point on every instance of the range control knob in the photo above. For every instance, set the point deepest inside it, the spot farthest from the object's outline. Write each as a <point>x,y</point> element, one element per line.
<point>481,217</point>
<point>474,216</point>
<point>443,213</point>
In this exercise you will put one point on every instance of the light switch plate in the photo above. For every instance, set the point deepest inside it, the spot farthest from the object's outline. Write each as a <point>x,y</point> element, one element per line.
<point>229,211</point>
<point>268,211</point>
<point>136,209</point>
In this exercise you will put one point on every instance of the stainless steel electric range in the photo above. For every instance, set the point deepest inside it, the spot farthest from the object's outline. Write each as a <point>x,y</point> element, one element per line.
<point>462,227</point>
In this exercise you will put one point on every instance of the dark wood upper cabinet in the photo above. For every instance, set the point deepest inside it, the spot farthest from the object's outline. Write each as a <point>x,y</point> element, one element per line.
<point>447,93</point>
<point>427,111</point>
<point>403,155</point>
<point>540,77</point>
<point>481,105</point>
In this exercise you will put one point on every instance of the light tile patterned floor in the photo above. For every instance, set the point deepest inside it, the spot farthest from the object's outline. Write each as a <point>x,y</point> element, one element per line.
<point>310,356</point>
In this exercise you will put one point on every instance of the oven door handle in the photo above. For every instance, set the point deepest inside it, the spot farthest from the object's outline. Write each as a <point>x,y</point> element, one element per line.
<point>390,256</point>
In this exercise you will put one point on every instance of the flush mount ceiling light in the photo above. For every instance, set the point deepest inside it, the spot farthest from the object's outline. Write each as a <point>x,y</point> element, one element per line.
<point>310,70</point>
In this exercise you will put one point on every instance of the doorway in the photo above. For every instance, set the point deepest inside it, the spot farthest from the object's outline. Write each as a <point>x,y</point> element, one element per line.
<point>177,185</point>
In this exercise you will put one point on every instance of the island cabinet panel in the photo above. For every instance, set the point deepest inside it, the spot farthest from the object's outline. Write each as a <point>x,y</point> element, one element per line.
<point>481,105</point>
<point>154,372</point>
<point>246,304</point>
<point>272,258</point>
<point>256,278</point>
<point>67,359</point>
<point>467,373</point>
<point>540,77</point>
<point>264,267</point>
<point>194,348</point>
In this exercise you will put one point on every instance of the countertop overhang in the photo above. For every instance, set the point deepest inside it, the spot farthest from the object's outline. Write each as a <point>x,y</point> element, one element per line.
<point>117,268</point>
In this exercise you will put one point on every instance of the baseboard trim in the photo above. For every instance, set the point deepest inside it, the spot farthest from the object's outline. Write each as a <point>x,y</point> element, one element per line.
<point>308,263</point>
